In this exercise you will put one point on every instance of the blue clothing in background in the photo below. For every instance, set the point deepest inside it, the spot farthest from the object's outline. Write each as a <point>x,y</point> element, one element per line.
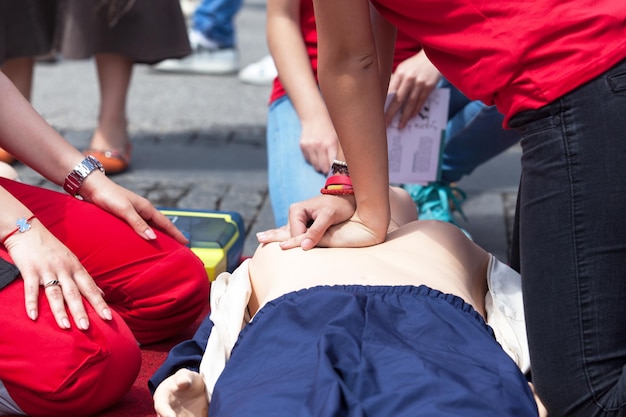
<point>215,20</point>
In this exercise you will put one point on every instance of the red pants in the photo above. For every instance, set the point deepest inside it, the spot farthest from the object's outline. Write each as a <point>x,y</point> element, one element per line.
<point>155,289</point>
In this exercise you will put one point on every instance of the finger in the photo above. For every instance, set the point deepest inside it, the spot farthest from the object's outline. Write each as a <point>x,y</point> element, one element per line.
<point>31,297</point>
<point>308,149</point>
<point>73,300</point>
<point>143,212</point>
<point>92,294</point>
<point>163,223</point>
<point>410,109</point>
<point>399,102</point>
<point>421,101</point>
<point>324,161</point>
<point>394,81</point>
<point>393,109</point>
<point>163,408</point>
<point>314,234</point>
<point>329,157</point>
<point>183,379</point>
<point>298,220</point>
<point>54,294</point>
<point>292,242</point>
<point>273,235</point>
<point>315,161</point>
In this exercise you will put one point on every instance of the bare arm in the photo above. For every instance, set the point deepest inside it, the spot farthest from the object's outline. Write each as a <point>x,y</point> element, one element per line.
<point>318,140</point>
<point>40,256</point>
<point>354,84</point>
<point>33,141</point>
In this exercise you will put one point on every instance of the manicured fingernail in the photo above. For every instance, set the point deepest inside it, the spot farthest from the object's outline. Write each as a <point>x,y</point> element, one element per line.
<point>107,314</point>
<point>32,314</point>
<point>260,235</point>
<point>149,233</point>
<point>83,323</point>
<point>66,323</point>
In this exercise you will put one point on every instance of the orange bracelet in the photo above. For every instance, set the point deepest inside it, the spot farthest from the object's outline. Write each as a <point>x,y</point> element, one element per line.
<point>23,225</point>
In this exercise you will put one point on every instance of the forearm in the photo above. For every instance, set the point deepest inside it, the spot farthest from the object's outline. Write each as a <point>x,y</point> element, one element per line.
<point>286,44</point>
<point>27,136</point>
<point>351,85</point>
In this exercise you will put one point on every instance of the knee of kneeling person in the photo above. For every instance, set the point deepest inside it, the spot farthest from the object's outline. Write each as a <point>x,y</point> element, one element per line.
<point>182,296</point>
<point>87,377</point>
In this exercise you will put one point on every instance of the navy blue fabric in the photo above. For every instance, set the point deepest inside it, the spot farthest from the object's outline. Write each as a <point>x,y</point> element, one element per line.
<point>375,351</point>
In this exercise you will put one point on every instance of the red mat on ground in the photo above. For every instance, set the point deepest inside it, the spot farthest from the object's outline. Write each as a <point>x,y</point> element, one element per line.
<point>138,401</point>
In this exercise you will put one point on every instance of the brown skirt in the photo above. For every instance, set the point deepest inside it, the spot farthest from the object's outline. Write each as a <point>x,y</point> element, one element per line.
<point>26,28</point>
<point>147,31</point>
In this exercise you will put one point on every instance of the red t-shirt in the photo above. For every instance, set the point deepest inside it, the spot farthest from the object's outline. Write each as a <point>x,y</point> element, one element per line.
<point>520,55</point>
<point>405,46</point>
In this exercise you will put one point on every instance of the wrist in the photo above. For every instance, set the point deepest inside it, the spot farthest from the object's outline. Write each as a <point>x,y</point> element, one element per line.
<point>339,183</point>
<point>23,225</point>
<point>74,180</point>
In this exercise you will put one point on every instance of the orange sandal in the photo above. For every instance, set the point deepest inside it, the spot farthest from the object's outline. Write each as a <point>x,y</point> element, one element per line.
<point>6,157</point>
<point>113,161</point>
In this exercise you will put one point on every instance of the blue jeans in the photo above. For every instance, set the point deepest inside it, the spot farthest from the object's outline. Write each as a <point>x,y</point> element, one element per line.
<point>290,177</point>
<point>474,135</point>
<point>215,20</point>
<point>572,246</point>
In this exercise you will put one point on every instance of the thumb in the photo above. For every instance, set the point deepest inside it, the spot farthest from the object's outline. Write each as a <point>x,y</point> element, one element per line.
<point>183,379</point>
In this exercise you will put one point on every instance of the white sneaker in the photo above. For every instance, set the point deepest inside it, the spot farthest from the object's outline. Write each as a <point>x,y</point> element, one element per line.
<point>261,72</point>
<point>205,59</point>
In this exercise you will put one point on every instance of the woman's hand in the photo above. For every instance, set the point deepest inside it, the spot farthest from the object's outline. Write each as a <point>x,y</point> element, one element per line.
<point>48,265</point>
<point>319,143</point>
<point>412,82</point>
<point>181,395</point>
<point>325,220</point>
<point>309,220</point>
<point>137,211</point>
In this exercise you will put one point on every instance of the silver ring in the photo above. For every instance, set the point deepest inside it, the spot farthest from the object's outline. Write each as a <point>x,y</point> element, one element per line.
<point>52,283</point>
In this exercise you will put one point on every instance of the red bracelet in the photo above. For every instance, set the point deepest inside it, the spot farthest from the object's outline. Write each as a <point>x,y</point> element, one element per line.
<point>338,185</point>
<point>23,225</point>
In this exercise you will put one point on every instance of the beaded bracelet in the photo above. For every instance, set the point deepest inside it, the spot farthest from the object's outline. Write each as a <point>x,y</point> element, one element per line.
<point>23,225</point>
<point>338,185</point>
<point>340,168</point>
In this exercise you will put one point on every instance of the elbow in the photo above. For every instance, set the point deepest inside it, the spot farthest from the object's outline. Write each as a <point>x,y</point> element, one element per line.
<point>342,63</point>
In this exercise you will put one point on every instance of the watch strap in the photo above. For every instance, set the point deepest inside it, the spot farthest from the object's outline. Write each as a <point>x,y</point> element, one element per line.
<point>75,178</point>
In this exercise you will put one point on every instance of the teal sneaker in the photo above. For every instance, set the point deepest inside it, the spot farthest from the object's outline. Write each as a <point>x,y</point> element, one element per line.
<point>434,201</point>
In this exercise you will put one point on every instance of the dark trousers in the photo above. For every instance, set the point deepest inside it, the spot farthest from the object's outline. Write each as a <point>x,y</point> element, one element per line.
<point>572,246</point>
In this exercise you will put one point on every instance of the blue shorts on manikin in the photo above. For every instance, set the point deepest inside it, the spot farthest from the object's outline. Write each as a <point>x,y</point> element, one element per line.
<point>215,19</point>
<point>375,351</point>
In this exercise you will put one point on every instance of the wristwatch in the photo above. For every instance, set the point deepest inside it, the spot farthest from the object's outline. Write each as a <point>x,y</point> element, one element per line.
<point>75,178</point>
